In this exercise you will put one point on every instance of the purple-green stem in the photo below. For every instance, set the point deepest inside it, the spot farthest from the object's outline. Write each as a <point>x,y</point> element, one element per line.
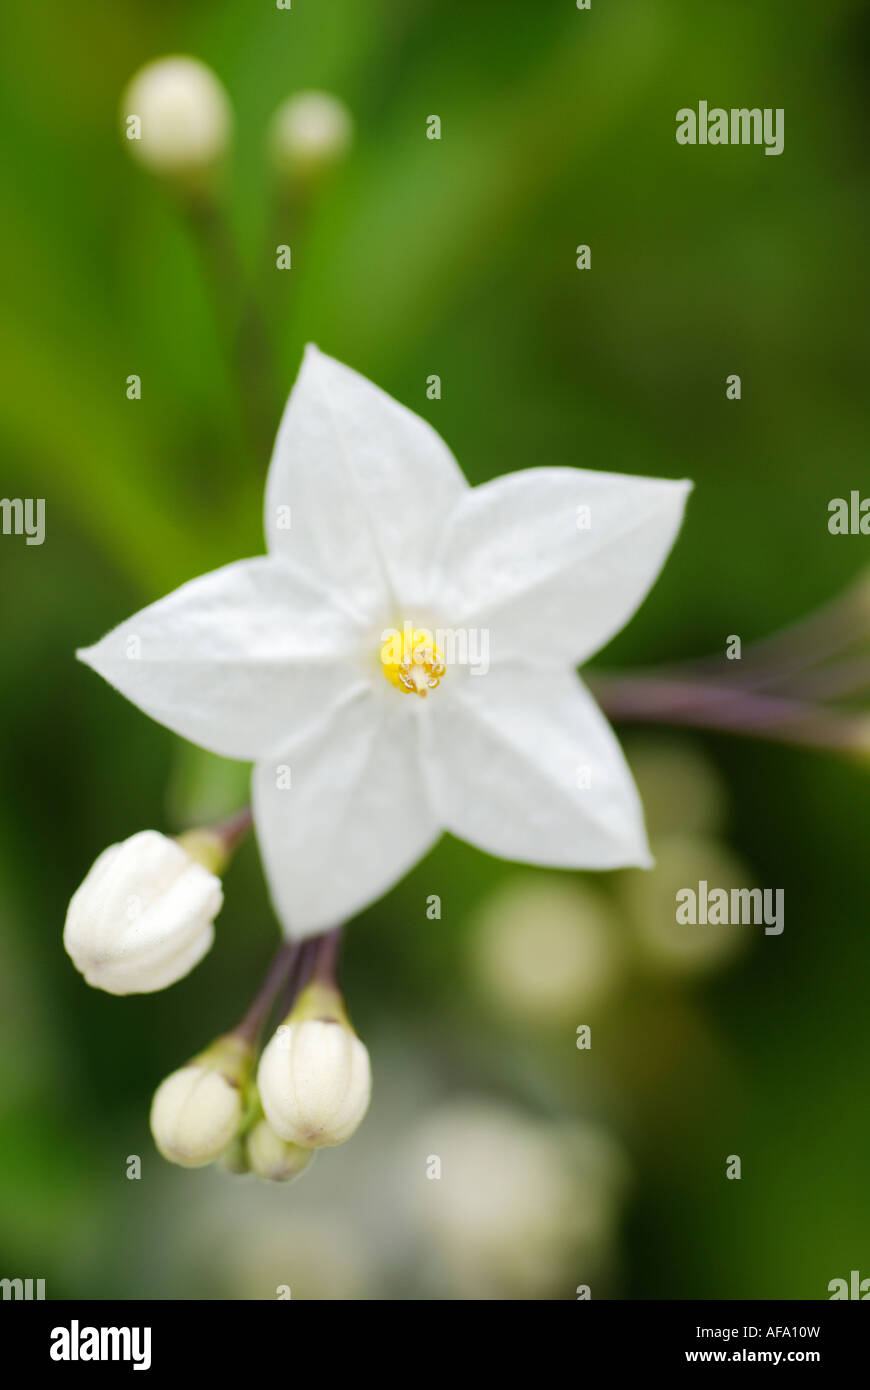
<point>251,1025</point>
<point>732,708</point>
<point>234,828</point>
<point>313,959</point>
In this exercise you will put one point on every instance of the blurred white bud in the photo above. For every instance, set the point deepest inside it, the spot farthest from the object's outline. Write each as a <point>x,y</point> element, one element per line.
<point>679,786</point>
<point>310,132</point>
<point>650,901</point>
<point>184,116</point>
<point>545,947</point>
<point>270,1156</point>
<point>143,917</point>
<point>521,1208</point>
<point>314,1076</point>
<point>196,1112</point>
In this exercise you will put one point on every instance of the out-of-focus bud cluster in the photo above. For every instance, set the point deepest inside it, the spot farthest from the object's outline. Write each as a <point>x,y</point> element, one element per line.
<point>176,119</point>
<point>680,788</point>
<point>517,1207</point>
<point>551,949</point>
<point>545,947</point>
<point>685,804</point>
<point>663,943</point>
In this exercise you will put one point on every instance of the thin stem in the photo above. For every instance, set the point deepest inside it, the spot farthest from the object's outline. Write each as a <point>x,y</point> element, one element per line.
<point>233,829</point>
<point>834,682</point>
<point>813,639</point>
<point>298,976</point>
<point>250,1026</point>
<point>327,949</point>
<point>799,647</point>
<point>244,331</point>
<point>289,227</point>
<point>653,699</point>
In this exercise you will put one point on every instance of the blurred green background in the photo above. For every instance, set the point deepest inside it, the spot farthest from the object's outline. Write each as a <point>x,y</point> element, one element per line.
<point>458,258</point>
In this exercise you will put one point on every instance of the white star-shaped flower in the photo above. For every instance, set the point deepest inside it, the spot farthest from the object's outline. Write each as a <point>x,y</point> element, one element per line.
<point>387,579</point>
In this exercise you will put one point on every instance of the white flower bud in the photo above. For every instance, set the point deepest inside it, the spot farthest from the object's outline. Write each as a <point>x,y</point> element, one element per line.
<point>309,132</point>
<point>315,1078</point>
<point>184,115</point>
<point>196,1112</point>
<point>270,1156</point>
<point>143,917</point>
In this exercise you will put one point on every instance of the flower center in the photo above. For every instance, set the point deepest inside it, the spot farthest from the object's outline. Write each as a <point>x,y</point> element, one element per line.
<point>411,661</point>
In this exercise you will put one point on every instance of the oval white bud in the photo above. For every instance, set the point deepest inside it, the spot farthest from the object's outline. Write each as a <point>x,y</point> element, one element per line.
<point>270,1156</point>
<point>195,1115</point>
<point>184,115</point>
<point>143,918</point>
<point>310,131</point>
<point>315,1082</point>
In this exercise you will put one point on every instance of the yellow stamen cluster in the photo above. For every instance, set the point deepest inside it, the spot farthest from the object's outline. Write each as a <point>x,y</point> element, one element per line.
<point>412,662</point>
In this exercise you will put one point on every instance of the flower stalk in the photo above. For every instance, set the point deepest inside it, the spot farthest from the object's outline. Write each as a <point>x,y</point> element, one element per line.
<point>242,326</point>
<point>250,1026</point>
<point>784,687</point>
<point>644,698</point>
<point>314,1076</point>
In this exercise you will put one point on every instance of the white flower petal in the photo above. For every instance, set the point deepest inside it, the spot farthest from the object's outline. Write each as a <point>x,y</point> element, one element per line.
<point>519,557</point>
<point>237,660</point>
<point>353,819</point>
<point>522,763</point>
<point>367,484</point>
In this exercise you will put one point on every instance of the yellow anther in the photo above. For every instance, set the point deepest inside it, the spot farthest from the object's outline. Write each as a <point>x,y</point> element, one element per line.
<point>412,662</point>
